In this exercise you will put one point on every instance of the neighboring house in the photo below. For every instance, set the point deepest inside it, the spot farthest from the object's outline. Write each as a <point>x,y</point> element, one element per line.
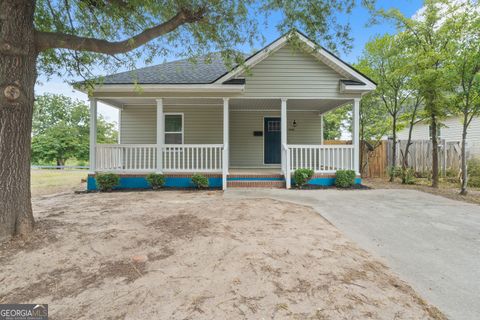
<point>237,127</point>
<point>450,130</point>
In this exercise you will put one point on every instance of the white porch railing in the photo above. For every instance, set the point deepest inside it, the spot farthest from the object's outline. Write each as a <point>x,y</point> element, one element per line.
<point>192,158</point>
<point>320,158</point>
<point>126,157</point>
<point>175,157</point>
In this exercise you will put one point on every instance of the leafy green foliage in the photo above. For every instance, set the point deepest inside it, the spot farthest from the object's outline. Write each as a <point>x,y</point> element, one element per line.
<point>302,176</point>
<point>408,176</point>
<point>474,172</point>
<point>60,130</point>
<point>395,172</point>
<point>429,37</point>
<point>386,60</point>
<point>216,26</point>
<point>107,181</point>
<point>156,180</point>
<point>345,178</point>
<point>336,121</point>
<point>200,181</point>
<point>474,167</point>
<point>374,120</point>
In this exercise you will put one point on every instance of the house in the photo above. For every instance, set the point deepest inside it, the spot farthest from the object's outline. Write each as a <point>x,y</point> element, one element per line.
<point>450,129</point>
<point>252,125</point>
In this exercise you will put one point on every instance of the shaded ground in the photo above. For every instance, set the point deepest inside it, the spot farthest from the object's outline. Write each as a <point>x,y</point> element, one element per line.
<point>196,255</point>
<point>447,190</point>
<point>46,181</point>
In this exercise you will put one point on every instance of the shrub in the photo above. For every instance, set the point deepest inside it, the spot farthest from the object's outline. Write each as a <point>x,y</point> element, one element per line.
<point>396,172</point>
<point>345,178</point>
<point>423,174</point>
<point>156,180</point>
<point>473,170</point>
<point>452,173</point>
<point>474,182</point>
<point>200,181</point>
<point>106,181</point>
<point>474,167</point>
<point>409,176</point>
<point>302,176</point>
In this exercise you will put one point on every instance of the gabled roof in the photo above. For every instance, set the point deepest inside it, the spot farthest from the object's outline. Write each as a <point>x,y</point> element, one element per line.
<point>359,80</point>
<point>206,69</point>
<point>211,69</point>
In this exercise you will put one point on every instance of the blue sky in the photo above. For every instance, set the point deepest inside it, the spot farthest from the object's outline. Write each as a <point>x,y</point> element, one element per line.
<point>361,34</point>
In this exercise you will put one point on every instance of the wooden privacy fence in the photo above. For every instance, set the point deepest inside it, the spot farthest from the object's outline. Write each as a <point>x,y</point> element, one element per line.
<point>420,155</point>
<point>373,160</point>
<point>375,163</point>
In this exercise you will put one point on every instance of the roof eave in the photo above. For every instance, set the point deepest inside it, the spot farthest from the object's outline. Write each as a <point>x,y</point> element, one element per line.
<point>170,88</point>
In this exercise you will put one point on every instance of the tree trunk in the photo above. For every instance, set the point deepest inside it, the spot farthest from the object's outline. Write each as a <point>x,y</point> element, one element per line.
<point>394,150</point>
<point>17,80</point>
<point>60,163</point>
<point>405,158</point>
<point>433,129</point>
<point>407,147</point>
<point>464,177</point>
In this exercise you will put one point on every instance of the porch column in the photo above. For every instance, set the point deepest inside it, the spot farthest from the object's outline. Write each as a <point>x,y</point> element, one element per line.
<point>356,135</point>
<point>284,131</point>
<point>321,129</point>
<point>226,160</point>
<point>160,135</point>
<point>93,134</point>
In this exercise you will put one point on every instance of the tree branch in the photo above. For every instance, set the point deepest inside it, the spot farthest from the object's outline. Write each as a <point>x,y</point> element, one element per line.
<point>51,40</point>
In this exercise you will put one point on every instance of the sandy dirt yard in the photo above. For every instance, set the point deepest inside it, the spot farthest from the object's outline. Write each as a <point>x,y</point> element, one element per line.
<point>196,255</point>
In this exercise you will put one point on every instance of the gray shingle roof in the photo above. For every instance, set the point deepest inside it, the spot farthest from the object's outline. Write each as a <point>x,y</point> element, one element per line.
<point>176,72</point>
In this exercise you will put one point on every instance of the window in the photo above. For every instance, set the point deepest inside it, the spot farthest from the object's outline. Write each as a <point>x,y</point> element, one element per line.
<point>173,128</point>
<point>273,125</point>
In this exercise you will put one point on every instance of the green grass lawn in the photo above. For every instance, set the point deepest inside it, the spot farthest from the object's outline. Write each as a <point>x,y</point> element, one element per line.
<point>46,181</point>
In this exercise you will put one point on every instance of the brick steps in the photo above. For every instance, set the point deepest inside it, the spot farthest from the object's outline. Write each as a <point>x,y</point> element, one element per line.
<point>256,184</point>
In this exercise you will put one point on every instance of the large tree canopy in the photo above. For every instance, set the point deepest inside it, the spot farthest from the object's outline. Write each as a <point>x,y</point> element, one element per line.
<point>60,129</point>
<point>430,35</point>
<point>78,35</point>
<point>67,37</point>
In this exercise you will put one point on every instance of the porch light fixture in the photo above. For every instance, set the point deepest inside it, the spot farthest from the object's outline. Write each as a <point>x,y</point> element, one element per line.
<point>294,124</point>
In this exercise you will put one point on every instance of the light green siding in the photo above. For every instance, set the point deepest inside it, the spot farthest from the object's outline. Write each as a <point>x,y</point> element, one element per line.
<point>201,124</point>
<point>138,124</point>
<point>292,73</point>
<point>246,150</point>
<point>204,125</point>
<point>307,130</point>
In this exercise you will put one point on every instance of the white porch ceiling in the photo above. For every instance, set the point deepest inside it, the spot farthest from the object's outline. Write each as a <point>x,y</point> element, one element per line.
<point>317,105</point>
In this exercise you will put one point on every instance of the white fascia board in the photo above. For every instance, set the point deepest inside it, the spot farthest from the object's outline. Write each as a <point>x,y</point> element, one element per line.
<point>170,88</point>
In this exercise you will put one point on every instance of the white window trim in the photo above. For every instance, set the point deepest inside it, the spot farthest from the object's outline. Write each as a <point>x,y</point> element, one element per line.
<point>170,132</point>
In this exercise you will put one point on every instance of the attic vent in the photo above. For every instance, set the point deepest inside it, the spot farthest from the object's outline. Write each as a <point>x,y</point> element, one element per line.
<point>235,81</point>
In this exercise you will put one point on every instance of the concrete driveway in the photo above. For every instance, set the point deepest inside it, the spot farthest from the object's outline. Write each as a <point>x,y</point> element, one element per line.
<point>430,241</point>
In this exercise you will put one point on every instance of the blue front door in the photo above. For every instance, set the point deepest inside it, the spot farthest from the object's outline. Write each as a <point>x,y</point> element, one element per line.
<point>272,141</point>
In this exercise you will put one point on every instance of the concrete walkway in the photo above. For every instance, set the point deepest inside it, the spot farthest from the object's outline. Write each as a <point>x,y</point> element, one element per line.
<point>431,242</point>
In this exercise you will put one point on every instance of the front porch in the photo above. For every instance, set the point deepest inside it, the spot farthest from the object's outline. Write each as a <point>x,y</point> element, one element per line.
<point>229,144</point>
